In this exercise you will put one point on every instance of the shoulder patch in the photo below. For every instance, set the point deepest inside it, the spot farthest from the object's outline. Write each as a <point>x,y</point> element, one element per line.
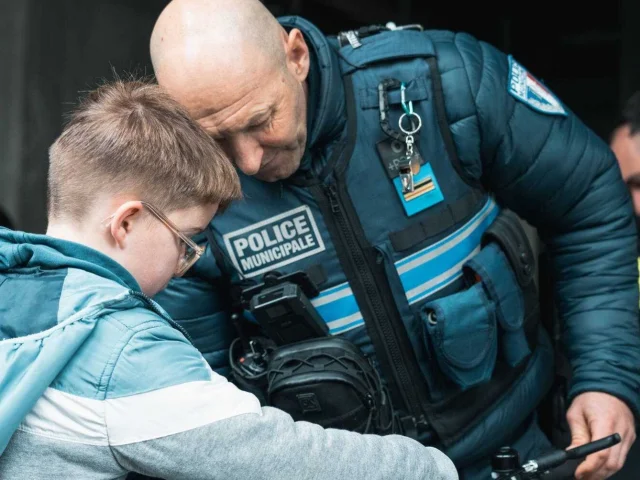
<point>529,90</point>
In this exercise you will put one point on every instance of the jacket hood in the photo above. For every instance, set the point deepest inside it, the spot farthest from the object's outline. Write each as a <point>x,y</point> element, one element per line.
<point>52,293</point>
<point>20,250</point>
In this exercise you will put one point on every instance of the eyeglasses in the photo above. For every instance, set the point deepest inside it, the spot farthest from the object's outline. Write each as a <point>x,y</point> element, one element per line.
<point>633,182</point>
<point>192,250</point>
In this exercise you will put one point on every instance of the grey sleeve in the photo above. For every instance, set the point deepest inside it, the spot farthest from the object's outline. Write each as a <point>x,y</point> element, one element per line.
<point>272,446</point>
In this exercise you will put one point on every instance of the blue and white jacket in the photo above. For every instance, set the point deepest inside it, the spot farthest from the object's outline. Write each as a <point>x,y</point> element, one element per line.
<point>96,382</point>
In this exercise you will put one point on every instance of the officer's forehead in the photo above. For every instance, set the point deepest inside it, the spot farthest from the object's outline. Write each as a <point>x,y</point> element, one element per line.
<point>229,91</point>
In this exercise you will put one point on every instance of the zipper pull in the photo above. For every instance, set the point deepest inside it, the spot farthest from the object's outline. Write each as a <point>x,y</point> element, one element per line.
<point>332,194</point>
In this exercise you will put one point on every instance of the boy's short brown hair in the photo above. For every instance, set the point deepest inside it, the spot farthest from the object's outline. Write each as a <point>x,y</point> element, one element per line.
<point>132,137</point>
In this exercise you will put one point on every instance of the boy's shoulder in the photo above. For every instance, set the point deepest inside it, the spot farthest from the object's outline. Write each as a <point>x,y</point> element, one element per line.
<point>132,341</point>
<point>130,360</point>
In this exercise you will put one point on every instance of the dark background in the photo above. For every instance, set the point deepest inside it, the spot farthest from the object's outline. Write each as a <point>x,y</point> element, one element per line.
<point>50,50</point>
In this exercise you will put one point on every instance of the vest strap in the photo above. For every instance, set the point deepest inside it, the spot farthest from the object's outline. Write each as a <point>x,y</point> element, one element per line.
<point>453,214</point>
<point>443,123</point>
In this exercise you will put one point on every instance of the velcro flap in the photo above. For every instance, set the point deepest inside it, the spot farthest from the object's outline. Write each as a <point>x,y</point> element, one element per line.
<point>390,45</point>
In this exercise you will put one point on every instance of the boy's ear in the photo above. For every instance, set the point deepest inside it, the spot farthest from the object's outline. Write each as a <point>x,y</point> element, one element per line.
<point>122,222</point>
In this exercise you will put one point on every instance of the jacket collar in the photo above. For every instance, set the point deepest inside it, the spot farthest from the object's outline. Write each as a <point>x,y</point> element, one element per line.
<point>20,250</point>
<point>326,104</point>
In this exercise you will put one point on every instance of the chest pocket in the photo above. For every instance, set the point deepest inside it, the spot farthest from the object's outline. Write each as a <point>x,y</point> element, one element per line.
<point>437,272</point>
<point>444,197</point>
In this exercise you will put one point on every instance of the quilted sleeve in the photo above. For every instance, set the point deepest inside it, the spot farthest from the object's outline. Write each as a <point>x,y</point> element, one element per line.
<point>542,162</point>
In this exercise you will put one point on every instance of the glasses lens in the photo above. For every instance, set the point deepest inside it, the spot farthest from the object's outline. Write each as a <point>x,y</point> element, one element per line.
<point>187,260</point>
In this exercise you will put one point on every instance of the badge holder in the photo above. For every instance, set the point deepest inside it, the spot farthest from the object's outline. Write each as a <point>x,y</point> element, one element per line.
<point>413,178</point>
<point>406,168</point>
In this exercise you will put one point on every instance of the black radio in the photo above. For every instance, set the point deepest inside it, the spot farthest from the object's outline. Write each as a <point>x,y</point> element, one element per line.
<point>300,368</point>
<point>282,308</point>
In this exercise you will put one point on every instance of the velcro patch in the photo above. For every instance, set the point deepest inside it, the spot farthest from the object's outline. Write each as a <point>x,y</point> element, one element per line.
<point>529,90</point>
<point>274,242</point>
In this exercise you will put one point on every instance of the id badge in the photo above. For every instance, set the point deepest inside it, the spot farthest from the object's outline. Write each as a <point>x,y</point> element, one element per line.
<point>426,191</point>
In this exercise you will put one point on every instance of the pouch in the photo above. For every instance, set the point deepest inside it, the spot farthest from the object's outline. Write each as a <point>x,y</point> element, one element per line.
<point>493,269</point>
<point>329,382</point>
<point>461,329</point>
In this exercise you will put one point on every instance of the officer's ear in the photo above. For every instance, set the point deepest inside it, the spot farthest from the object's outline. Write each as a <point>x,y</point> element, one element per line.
<point>297,54</point>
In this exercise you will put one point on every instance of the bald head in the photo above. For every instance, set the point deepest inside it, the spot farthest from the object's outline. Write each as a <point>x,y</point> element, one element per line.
<point>215,37</point>
<point>241,76</point>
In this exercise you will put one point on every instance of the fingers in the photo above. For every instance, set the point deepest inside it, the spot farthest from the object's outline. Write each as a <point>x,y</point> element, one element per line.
<point>628,437</point>
<point>580,433</point>
<point>602,464</point>
<point>595,415</point>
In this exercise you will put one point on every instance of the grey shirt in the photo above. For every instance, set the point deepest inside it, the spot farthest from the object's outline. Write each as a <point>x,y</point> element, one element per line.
<point>266,446</point>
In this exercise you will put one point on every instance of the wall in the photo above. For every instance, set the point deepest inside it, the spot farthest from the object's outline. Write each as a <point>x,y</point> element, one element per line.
<point>13,20</point>
<point>51,51</point>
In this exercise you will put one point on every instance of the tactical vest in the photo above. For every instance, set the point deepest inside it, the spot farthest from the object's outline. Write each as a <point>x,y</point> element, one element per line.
<point>436,285</point>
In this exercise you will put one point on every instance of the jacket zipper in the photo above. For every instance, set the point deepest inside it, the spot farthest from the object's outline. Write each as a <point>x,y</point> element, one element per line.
<point>382,321</point>
<point>153,306</point>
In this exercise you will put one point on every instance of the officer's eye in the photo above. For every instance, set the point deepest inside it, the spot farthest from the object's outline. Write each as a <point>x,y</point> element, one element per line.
<point>263,125</point>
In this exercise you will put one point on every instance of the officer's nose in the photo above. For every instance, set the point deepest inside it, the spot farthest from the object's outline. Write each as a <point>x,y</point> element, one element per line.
<point>247,153</point>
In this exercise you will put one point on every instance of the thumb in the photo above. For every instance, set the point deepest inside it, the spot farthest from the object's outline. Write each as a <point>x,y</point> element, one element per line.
<point>580,432</point>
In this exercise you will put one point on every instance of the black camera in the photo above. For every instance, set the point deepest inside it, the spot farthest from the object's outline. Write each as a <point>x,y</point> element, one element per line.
<point>281,306</point>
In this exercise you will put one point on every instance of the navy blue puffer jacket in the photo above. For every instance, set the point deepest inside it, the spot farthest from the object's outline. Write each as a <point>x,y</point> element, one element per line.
<point>499,139</point>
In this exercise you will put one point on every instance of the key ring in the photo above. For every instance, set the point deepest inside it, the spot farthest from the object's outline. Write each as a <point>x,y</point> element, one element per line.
<point>383,104</point>
<point>410,116</point>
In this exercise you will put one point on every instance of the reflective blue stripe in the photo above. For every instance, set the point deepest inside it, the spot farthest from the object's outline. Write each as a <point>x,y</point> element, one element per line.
<point>422,273</point>
<point>434,285</point>
<point>440,264</point>
<point>486,208</point>
<point>338,307</point>
<point>348,326</point>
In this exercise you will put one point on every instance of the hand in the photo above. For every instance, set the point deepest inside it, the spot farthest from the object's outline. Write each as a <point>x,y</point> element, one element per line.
<point>592,416</point>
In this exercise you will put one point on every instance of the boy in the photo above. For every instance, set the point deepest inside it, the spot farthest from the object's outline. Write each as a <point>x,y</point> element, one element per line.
<point>96,380</point>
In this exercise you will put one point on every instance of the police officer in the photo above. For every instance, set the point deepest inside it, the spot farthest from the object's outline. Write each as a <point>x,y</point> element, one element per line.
<point>625,143</point>
<point>391,161</point>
